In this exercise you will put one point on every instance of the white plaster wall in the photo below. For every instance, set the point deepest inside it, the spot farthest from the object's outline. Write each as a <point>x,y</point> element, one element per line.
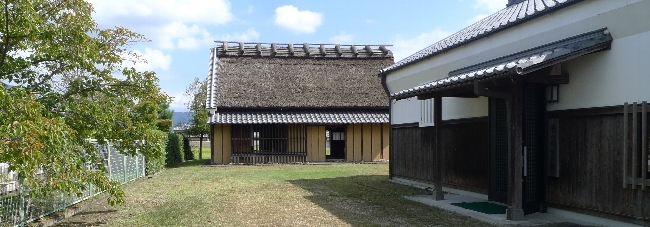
<point>620,74</point>
<point>405,111</point>
<point>458,108</point>
<point>608,78</point>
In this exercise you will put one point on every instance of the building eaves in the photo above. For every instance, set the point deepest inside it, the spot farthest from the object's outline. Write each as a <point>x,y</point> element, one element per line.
<point>510,16</point>
<point>302,117</point>
<point>520,63</point>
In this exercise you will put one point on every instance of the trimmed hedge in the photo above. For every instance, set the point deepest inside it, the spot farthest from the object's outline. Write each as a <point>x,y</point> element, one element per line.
<point>156,164</point>
<point>173,149</point>
<point>187,149</point>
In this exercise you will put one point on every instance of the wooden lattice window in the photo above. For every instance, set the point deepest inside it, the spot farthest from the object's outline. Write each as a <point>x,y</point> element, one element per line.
<point>269,139</point>
<point>636,157</point>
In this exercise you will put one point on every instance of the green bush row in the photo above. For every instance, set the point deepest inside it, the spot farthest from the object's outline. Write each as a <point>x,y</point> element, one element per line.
<point>155,164</point>
<point>187,149</point>
<point>174,150</point>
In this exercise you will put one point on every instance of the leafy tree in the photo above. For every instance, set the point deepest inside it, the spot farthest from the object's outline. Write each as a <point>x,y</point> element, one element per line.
<point>72,85</point>
<point>165,115</point>
<point>199,122</point>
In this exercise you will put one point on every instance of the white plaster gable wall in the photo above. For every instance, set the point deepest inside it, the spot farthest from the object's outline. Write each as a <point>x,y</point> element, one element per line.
<point>623,17</point>
<point>405,111</point>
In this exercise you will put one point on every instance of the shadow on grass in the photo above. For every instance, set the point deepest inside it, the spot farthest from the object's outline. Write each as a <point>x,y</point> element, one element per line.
<point>372,200</point>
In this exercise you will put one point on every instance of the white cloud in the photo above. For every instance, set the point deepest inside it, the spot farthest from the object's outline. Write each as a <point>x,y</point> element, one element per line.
<point>291,18</point>
<point>249,35</point>
<point>178,102</point>
<point>155,59</point>
<point>181,36</point>
<point>405,47</point>
<point>164,11</point>
<point>371,21</point>
<point>170,24</point>
<point>490,5</point>
<point>342,38</point>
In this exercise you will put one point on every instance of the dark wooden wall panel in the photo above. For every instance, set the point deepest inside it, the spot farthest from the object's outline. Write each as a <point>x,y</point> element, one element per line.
<point>412,157</point>
<point>591,163</point>
<point>466,153</point>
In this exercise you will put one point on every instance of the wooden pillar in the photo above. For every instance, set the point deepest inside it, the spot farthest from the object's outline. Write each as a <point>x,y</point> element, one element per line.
<point>514,107</point>
<point>437,121</point>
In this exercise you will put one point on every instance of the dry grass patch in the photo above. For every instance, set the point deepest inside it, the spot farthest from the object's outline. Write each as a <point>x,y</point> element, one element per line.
<point>289,195</point>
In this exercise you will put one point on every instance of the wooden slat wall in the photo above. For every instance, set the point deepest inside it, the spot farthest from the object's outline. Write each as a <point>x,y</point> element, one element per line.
<point>357,143</point>
<point>385,143</point>
<point>316,143</point>
<point>413,157</point>
<point>466,153</point>
<point>376,142</point>
<point>218,143</point>
<point>227,151</point>
<point>366,131</point>
<point>322,143</point>
<point>591,166</point>
<point>349,143</point>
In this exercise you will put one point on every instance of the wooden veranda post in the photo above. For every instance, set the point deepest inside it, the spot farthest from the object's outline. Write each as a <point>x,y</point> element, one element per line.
<point>514,107</point>
<point>437,121</point>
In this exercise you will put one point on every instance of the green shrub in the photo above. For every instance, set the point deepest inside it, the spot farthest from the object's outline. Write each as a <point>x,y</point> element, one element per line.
<point>179,137</point>
<point>173,150</point>
<point>155,164</point>
<point>187,149</point>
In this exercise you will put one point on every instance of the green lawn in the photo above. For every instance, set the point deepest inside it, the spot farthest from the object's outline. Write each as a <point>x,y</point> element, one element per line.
<point>281,195</point>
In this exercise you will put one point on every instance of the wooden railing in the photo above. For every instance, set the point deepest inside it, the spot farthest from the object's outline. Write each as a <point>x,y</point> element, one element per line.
<point>636,174</point>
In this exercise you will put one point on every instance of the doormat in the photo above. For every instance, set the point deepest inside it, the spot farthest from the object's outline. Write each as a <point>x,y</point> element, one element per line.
<point>483,207</point>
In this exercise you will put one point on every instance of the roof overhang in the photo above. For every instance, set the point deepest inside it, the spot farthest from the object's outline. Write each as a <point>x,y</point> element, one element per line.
<point>517,64</point>
<point>301,117</point>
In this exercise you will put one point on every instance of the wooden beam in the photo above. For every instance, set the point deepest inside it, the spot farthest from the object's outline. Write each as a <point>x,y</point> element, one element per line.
<point>258,49</point>
<point>369,50</point>
<point>515,210</point>
<point>354,50</point>
<point>225,47</point>
<point>437,123</point>
<point>635,145</point>
<point>479,89</point>
<point>338,50</point>
<point>625,131</point>
<point>322,50</point>
<point>274,49</point>
<point>644,143</point>
<point>384,50</point>
<point>305,48</point>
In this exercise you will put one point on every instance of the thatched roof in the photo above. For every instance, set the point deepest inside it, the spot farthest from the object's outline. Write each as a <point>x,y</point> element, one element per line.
<point>311,76</point>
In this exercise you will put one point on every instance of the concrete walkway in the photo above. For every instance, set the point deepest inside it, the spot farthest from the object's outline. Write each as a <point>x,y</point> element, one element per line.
<point>554,217</point>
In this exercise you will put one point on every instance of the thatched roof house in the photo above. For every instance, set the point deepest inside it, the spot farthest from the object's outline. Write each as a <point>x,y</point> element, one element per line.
<point>329,85</point>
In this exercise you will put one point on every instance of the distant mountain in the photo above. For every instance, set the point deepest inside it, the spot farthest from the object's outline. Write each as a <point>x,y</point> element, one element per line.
<point>181,117</point>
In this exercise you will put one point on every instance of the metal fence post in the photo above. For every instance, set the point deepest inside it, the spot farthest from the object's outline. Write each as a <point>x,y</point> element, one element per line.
<point>22,203</point>
<point>124,177</point>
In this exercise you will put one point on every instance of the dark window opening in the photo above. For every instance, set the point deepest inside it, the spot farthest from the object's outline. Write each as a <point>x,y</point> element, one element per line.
<point>269,139</point>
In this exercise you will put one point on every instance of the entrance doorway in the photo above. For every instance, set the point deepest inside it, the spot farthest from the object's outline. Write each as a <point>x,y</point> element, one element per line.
<point>533,120</point>
<point>336,142</point>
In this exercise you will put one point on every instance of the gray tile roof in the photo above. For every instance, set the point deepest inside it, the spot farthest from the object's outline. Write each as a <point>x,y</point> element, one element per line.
<point>508,17</point>
<point>521,63</point>
<point>213,71</point>
<point>302,117</point>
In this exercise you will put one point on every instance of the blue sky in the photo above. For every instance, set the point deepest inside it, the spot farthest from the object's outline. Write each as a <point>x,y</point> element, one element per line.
<point>182,31</point>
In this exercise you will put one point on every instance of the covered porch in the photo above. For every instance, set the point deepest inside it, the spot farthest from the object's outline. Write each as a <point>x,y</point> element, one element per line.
<point>518,87</point>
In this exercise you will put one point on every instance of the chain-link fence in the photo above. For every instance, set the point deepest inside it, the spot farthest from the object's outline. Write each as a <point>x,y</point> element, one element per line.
<point>18,207</point>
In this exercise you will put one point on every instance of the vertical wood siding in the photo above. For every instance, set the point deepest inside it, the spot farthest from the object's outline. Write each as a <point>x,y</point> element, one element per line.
<point>412,156</point>
<point>466,154</point>
<point>349,143</point>
<point>591,165</point>
<point>218,144</point>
